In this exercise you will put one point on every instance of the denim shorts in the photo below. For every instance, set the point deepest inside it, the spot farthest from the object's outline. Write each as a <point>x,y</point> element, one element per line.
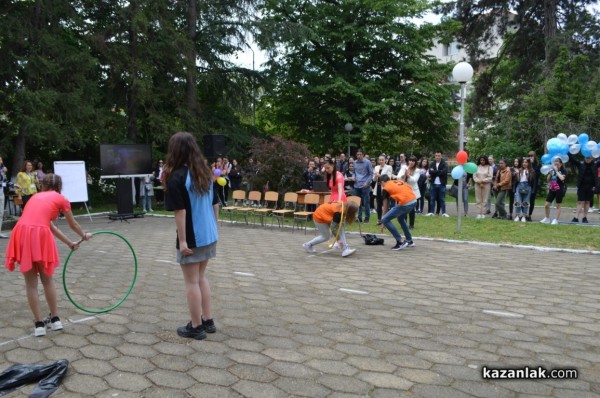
<point>199,254</point>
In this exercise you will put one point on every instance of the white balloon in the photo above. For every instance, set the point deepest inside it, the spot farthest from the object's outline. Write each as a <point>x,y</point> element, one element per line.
<point>574,149</point>
<point>546,169</point>
<point>596,152</point>
<point>572,139</point>
<point>564,158</point>
<point>563,138</point>
<point>591,145</point>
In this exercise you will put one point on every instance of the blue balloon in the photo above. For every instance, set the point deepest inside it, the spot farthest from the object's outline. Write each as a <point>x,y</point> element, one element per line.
<point>586,152</point>
<point>546,159</point>
<point>564,148</point>
<point>458,172</point>
<point>583,139</point>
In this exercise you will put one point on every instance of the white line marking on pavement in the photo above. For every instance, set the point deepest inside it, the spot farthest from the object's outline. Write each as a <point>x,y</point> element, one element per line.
<point>353,291</point>
<point>244,273</point>
<point>504,313</point>
<point>164,261</point>
<point>31,335</point>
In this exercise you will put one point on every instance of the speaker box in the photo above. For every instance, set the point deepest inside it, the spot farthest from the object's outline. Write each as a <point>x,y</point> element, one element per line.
<point>214,145</point>
<point>124,196</point>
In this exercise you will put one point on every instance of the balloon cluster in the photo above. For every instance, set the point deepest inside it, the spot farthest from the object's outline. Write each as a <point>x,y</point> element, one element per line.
<point>220,180</point>
<point>463,166</point>
<point>560,146</point>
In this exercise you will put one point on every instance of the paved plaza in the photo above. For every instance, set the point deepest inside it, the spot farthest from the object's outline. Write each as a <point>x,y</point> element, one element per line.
<point>422,322</point>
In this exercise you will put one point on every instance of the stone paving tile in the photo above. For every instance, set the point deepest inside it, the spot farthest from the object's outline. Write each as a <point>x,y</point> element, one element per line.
<point>419,331</point>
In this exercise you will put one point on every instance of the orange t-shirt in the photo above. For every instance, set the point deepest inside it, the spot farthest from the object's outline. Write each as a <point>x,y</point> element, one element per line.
<point>400,191</point>
<point>324,213</point>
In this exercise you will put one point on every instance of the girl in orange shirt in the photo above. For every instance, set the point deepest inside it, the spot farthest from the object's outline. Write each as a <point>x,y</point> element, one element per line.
<point>329,215</point>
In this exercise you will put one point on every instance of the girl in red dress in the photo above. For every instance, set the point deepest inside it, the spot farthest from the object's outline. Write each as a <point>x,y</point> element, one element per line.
<point>33,247</point>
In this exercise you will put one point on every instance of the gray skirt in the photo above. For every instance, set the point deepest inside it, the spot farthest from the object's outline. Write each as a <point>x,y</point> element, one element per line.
<point>199,254</point>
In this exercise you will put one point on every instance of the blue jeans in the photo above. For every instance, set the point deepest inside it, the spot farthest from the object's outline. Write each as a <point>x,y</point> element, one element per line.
<point>364,194</point>
<point>522,200</point>
<point>399,212</point>
<point>438,194</point>
<point>146,202</point>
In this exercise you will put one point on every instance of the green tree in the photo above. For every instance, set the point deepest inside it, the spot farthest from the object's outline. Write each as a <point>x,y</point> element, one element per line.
<point>544,79</point>
<point>358,61</point>
<point>48,88</point>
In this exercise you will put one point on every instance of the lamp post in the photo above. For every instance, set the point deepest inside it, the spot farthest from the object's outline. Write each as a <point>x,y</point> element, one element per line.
<point>462,73</point>
<point>348,127</point>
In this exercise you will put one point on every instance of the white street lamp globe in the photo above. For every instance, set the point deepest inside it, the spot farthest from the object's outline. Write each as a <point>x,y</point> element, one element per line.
<point>462,72</point>
<point>348,127</point>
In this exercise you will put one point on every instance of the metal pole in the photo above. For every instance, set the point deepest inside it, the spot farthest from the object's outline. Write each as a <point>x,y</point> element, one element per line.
<point>460,148</point>
<point>348,144</point>
<point>253,92</point>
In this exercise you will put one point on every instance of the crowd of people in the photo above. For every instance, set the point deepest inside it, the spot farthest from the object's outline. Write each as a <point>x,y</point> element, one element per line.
<point>516,183</point>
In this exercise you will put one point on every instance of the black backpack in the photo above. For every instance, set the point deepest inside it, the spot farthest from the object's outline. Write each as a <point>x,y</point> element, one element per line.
<point>372,240</point>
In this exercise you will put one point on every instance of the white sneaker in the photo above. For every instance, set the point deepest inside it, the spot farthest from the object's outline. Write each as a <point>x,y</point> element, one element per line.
<point>2,236</point>
<point>429,214</point>
<point>40,330</point>
<point>445,215</point>
<point>554,222</point>
<point>523,219</point>
<point>308,248</point>
<point>54,323</point>
<point>517,219</point>
<point>545,220</point>
<point>335,245</point>
<point>348,252</point>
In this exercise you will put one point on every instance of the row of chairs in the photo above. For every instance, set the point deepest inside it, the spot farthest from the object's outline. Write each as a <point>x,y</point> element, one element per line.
<point>246,207</point>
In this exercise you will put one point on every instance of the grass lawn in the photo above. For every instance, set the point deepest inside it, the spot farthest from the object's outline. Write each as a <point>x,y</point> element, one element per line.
<point>486,230</point>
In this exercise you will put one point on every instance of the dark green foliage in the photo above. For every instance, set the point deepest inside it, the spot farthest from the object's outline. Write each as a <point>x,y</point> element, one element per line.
<point>358,61</point>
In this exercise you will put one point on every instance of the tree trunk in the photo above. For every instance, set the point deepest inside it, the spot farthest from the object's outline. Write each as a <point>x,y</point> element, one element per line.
<point>190,89</point>
<point>550,27</point>
<point>132,94</point>
<point>19,153</point>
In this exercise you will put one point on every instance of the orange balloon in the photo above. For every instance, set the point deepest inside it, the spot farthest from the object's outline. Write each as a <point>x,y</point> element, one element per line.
<point>462,157</point>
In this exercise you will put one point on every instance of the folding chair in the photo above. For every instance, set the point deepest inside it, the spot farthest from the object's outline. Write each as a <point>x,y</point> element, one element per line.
<point>302,217</point>
<point>356,199</point>
<point>326,198</point>
<point>290,202</point>
<point>252,197</point>
<point>238,202</point>
<point>270,204</point>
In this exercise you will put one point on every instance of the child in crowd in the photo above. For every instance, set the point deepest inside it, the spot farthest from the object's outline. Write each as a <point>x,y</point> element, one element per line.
<point>32,246</point>
<point>329,216</point>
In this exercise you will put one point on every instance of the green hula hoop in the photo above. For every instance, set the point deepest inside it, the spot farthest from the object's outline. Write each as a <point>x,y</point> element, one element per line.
<point>112,307</point>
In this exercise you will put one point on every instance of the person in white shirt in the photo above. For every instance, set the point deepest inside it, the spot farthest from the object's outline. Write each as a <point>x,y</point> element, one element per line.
<point>380,170</point>
<point>411,175</point>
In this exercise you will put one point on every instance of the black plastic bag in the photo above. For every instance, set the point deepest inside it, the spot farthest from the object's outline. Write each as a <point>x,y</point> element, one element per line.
<point>49,378</point>
<point>372,240</point>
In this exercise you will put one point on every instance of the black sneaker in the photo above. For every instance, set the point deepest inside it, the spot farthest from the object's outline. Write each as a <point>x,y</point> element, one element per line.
<point>400,246</point>
<point>575,219</point>
<point>528,219</point>
<point>584,220</point>
<point>410,243</point>
<point>197,333</point>
<point>209,325</point>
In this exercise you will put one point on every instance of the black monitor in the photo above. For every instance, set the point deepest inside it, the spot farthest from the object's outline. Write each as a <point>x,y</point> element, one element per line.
<point>121,160</point>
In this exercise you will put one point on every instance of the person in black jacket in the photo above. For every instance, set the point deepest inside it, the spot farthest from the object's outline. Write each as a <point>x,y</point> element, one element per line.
<point>537,167</point>
<point>438,174</point>
<point>587,180</point>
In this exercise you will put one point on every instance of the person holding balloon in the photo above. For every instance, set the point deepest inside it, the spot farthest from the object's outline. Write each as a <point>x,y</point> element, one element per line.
<point>557,187</point>
<point>462,172</point>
